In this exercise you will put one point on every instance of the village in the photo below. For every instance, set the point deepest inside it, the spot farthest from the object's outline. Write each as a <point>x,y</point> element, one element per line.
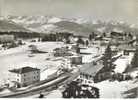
<point>72,66</point>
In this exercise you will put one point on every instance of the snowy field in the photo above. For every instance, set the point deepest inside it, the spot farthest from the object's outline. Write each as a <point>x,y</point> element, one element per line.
<point>112,89</point>
<point>18,57</point>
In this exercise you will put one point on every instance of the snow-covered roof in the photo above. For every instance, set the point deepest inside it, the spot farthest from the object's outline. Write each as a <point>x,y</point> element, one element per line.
<point>91,69</point>
<point>23,70</point>
<point>6,90</point>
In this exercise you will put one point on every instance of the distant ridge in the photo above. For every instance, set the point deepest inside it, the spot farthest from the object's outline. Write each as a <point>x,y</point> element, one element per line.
<point>8,26</point>
<point>77,26</point>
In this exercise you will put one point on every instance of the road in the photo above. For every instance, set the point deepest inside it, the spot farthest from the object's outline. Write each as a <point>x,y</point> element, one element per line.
<point>49,86</point>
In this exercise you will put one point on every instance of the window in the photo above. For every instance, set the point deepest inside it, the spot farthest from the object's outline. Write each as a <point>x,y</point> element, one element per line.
<point>24,79</point>
<point>34,77</point>
<point>18,80</point>
<point>24,75</point>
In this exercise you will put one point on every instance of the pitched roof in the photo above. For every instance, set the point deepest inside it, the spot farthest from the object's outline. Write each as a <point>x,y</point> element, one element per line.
<point>91,69</point>
<point>23,70</point>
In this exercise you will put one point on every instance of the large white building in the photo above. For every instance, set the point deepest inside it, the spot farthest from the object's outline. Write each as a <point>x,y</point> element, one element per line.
<point>25,76</point>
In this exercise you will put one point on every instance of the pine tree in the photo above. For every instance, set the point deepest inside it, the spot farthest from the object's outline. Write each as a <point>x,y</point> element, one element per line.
<point>134,62</point>
<point>87,42</point>
<point>107,59</point>
<point>90,37</point>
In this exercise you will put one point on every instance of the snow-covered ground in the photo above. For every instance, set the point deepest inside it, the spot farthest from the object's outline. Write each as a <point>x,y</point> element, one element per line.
<point>55,94</point>
<point>5,91</point>
<point>112,89</point>
<point>122,62</point>
<point>18,57</point>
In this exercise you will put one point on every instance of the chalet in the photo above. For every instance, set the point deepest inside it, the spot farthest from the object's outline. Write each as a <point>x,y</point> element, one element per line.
<point>76,60</point>
<point>25,76</point>
<point>89,71</point>
<point>127,51</point>
<point>63,35</point>
<point>63,51</point>
<point>33,48</point>
<point>75,48</point>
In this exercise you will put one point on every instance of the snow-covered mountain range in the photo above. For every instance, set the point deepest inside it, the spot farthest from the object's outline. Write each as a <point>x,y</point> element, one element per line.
<point>7,26</point>
<point>78,26</point>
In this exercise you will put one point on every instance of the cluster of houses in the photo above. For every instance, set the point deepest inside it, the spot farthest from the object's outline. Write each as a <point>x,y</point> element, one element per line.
<point>89,72</point>
<point>9,41</point>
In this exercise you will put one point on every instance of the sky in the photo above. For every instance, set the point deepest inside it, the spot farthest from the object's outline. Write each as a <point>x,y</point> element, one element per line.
<point>97,9</point>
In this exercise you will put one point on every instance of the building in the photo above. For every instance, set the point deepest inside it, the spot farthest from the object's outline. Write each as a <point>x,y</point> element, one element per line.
<point>76,60</point>
<point>25,76</point>
<point>75,48</point>
<point>63,51</point>
<point>89,71</point>
<point>33,48</point>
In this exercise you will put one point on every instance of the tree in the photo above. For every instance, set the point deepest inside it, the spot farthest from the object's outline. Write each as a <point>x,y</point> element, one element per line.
<point>20,42</point>
<point>134,62</point>
<point>107,59</point>
<point>104,34</point>
<point>39,39</point>
<point>87,42</point>
<point>93,35</point>
<point>80,41</point>
<point>130,36</point>
<point>41,96</point>
<point>90,37</point>
<point>77,49</point>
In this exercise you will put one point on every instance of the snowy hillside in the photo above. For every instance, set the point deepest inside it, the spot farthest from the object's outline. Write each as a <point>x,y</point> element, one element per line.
<point>7,26</point>
<point>79,26</point>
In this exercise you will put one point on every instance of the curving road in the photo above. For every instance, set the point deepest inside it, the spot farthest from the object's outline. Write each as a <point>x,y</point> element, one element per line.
<point>49,86</point>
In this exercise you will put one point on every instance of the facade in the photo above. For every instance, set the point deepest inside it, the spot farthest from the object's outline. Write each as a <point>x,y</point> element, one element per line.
<point>76,60</point>
<point>25,76</point>
<point>33,48</point>
<point>63,51</point>
<point>75,48</point>
<point>89,71</point>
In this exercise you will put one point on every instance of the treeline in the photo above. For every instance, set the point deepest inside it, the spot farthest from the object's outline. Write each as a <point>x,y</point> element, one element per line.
<point>21,34</point>
<point>56,37</point>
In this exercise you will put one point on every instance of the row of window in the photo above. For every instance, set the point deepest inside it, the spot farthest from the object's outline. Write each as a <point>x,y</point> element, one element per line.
<point>35,77</point>
<point>25,74</point>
